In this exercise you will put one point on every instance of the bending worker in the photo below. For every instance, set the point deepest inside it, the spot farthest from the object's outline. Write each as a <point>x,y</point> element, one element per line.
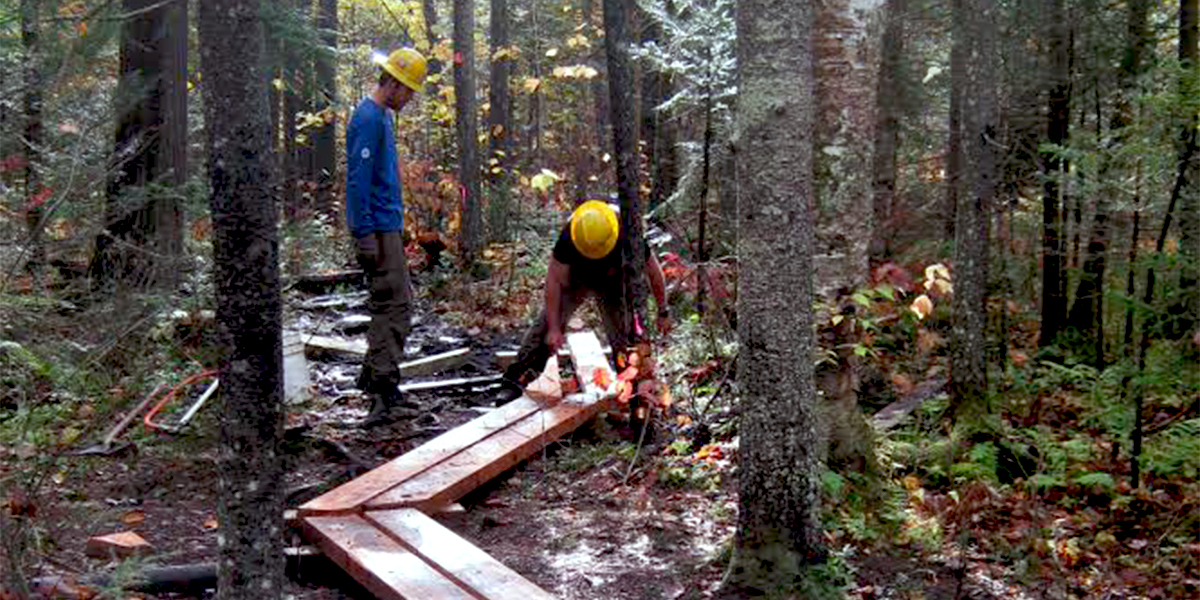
<point>375,217</point>
<point>586,261</point>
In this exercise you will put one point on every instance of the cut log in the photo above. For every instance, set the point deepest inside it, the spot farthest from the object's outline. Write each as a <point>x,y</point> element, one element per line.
<point>119,545</point>
<point>454,557</point>
<point>352,495</point>
<point>386,568</point>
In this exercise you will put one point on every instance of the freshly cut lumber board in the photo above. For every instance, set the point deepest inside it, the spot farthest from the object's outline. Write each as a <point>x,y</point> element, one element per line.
<point>588,357</point>
<point>351,495</point>
<point>456,476</point>
<point>385,567</point>
<point>455,557</point>
<point>426,365</point>
<point>548,386</point>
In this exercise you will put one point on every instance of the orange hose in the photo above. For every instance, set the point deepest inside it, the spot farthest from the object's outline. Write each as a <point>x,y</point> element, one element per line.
<point>148,420</point>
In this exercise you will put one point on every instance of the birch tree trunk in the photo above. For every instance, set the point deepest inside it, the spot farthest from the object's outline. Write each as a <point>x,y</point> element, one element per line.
<point>249,307</point>
<point>847,66</point>
<point>778,532</point>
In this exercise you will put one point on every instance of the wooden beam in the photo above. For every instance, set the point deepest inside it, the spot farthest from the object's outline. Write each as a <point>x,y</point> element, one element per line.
<point>448,383</point>
<point>455,477</point>
<point>588,357</point>
<point>548,386</point>
<point>454,557</point>
<point>356,348</point>
<point>381,564</point>
<point>353,494</point>
<point>429,365</point>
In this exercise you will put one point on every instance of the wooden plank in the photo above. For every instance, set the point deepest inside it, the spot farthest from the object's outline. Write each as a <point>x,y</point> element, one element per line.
<point>381,564</point>
<point>318,344</point>
<point>356,348</point>
<point>437,362</point>
<point>455,477</point>
<point>455,557</point>
<point>351,495</point>
<point>548,386</point>
<point>588,357</point>
<point>448,383</point>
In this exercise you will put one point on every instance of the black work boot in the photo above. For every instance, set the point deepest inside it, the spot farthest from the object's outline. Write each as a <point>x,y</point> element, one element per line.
<point>388,404</point>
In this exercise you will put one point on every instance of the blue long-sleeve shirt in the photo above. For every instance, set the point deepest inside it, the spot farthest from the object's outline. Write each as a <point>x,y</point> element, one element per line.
<point>373,197</point>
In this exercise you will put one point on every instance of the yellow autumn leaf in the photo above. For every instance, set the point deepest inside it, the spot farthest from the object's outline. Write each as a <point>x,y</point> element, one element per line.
<point>542,181</point>
<point>551,53</point>
<point>532,84</point>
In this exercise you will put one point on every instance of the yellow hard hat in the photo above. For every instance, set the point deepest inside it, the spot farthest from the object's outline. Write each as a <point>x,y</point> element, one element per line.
<point>594,229</point>
<point>407,65</point>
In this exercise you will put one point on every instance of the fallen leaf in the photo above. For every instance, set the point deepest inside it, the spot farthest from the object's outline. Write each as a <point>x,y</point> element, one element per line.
<point>133,517</point>
<point>922,306</point>
<point>628,374</point>
<point>210,523</point>
<point>601,377</point>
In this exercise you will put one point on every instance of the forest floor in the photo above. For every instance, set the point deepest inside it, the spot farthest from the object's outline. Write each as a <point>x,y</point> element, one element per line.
<point>598,516</point>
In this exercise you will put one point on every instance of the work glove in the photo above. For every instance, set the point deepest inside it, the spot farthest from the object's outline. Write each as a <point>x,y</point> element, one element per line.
<point>368,252</point>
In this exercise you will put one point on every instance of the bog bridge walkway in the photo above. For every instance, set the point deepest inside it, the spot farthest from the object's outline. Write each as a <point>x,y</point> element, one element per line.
<point>377,527</point>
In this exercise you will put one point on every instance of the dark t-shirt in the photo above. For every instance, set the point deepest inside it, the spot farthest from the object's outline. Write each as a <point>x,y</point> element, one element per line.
<point>596,274</point>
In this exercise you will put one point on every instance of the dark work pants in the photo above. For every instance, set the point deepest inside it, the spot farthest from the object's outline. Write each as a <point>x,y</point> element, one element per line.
<point>534,353</point>
<point>390,303</point>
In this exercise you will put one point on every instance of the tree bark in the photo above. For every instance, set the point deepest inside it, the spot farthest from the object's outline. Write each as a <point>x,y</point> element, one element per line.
<point>144,230</point>
<point>1054,300</point>
<point>887,129</point>
<point>954,137</point>
<point>501,127</point>
<point>778,532</point>
<point>32,100</point>
<point>968,349</point>
<point>249,307</point>
<point>465,120</point>
<point>846,83</point>
<point>1188,310</point>
<point>620,91</point>
<point>325,137</point>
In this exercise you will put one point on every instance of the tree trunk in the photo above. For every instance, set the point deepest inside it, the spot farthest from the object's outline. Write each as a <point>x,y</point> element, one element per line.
<point>34,194</point>
<point>954,137</point>
<point>1189,207</point>
<point>846,83</point>
<point>144,231</point>
<point>620,86</point>
<point>1054,300</point>
<point>465,120</point>
<point>249,307</point>
<point>778,532</point>
<point>500,131</point>
<point>298,98</point>
<point>651,97</point>
<point>887,129</point>
<point>968,349</point>
<point>325,137</point>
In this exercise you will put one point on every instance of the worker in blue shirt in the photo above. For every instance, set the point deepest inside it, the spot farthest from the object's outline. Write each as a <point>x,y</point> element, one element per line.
<point>375,217</point>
